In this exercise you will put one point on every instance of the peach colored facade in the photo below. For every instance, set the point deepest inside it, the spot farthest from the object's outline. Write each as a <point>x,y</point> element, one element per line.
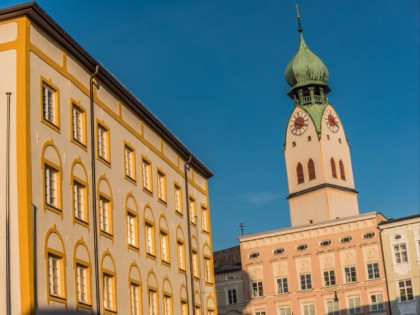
<point>302,270</point>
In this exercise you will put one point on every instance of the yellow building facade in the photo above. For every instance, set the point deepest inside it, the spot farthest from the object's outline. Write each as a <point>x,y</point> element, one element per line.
<point>401,250</point>
<point>106,210</point>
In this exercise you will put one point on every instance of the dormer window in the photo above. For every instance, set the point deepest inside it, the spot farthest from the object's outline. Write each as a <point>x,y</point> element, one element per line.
<point>368,235</point>
<point>302,247</point>
<point>278,251</point>
<point>325,243</point>
<point>254,255</point>
<point>346,239</point>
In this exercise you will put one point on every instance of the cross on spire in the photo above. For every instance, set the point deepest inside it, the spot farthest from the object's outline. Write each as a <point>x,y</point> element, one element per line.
<point>300,30</point>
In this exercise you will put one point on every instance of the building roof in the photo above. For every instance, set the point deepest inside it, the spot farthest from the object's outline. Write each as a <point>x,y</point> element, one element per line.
<point>402,220</point>
<point>312,226</point>
<point>306,68</point>
<point>37,15</point>
<point>227,260</point>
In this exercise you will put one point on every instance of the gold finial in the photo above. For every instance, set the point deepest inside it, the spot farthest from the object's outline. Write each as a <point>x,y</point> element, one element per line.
<point>300,30</point>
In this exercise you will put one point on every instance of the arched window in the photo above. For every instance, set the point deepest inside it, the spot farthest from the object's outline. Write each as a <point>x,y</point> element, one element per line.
<point>342,172</point>
<point>333,169</point>
<point>311,169</point>
<point>299,173</point>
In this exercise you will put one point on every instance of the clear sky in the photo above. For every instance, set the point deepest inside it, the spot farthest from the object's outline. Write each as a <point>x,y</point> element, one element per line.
<point>213,73</point>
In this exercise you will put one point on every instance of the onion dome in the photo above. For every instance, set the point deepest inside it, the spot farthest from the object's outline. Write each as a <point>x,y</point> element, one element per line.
<point>306,68</point>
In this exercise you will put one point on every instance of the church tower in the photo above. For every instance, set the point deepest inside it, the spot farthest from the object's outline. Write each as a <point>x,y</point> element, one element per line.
<point>318,163</point>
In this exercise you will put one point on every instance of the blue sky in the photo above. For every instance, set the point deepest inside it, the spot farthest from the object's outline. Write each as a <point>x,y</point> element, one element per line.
<point>213,73</point>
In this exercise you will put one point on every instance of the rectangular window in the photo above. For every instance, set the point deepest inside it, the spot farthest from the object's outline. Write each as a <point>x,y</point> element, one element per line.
<point>164,239</point>
<point>350,274</point>
<point>105,214</point>
<point>373,270</point>
<point>181,255</point>
<point>305,281</point>
<point>329,278</point>
<point>178,199</point>
<point>376,301</point>
<point>135,298</point>
<point>78,124</point>
<point>400,253</point>
<point>193,211</point>
<point>147,175</point>
<point>204,219</point>
<point>51,186</point>
<point>152,302</point>
<point>184,307</point>
<point>406,290</point>
<point>333,308</point>
<point>79,201</point>
<point>82,286</point>
<point>167,305</point>
<point>161,186</point>
<point>109,291</point>
<point>257,289</point>
<point>309,309</point>
<point>103,142</point>
<point>232,297</point>
<point>129,163</point>
<point>285,310</point>
<point>282,286</point>
<point>132,229</point>
<point>150,246</point>
<point>260,313</point>
<point>55,277</point>
<point>207,270</point>
<point>49,105</point>
<point>354,305</point>
<point>195,263</point>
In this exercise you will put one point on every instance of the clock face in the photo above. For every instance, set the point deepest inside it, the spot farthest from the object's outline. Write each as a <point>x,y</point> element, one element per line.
<point>299,123</point>
<point>331,120</point>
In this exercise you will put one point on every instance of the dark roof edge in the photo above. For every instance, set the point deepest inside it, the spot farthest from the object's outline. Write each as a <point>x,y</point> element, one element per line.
<point>390,221</point>
<point>229,248</point>
<point>42,19</point>
<point>321,186</point>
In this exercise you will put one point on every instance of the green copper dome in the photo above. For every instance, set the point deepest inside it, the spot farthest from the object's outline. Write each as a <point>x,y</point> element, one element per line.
<point>305,68</point>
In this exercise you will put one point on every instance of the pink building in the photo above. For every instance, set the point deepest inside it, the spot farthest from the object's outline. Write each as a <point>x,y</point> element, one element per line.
<point>332,267</point>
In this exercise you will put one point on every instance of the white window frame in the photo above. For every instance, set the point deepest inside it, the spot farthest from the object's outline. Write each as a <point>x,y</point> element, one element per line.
<point>105,214</point>
<point>103,142</point>
<point>109,292</point>
<point>55,275</point>
<point>332,307</point>
<point>305,281</point>
<point>350,274</point>
<point>284,310</point>
<point>153,302</point>
<point>408,290</point>
<point>150,241</point>
<point>129,162</point>
<point>178,198</point>
<point>82,283</point>
<point>353,304</point>
<point>231,296</point>
<point>282,285</point>
<point>147,175</point>
<point>257,289</point>
<point>51,178</point>
<point>373,270</point>
<point>308,308</point>
<point>135,298</point>
<point>132,230</point>
<point>78,124</point>
<point>161,186</point>
<point>376,300</point>
<point>49,104</point>
<point>400,253</point>
<point>79,199</point>
<point>329,278</point>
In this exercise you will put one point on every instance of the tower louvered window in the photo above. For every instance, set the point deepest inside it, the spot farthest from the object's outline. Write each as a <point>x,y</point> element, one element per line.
<point>342,172</point>
<point>311,169</point>
<point>299,173</point>
<point>333,169</point>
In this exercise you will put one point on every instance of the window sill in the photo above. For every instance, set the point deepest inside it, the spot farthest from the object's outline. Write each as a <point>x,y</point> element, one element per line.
<point>53,209</point>
<point>166,263</point>
<point>147,191</point>
<point>85,306</point>
<point>130,179</point>
<point>51,125</point>
<point>58,299</point>
<point>81,222</point>
<point>133,248</point>
<point>104,161</point>
<point>163,202</point>
<point>79,144</point>
<point>107,235</point>
<point>151,256</point>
